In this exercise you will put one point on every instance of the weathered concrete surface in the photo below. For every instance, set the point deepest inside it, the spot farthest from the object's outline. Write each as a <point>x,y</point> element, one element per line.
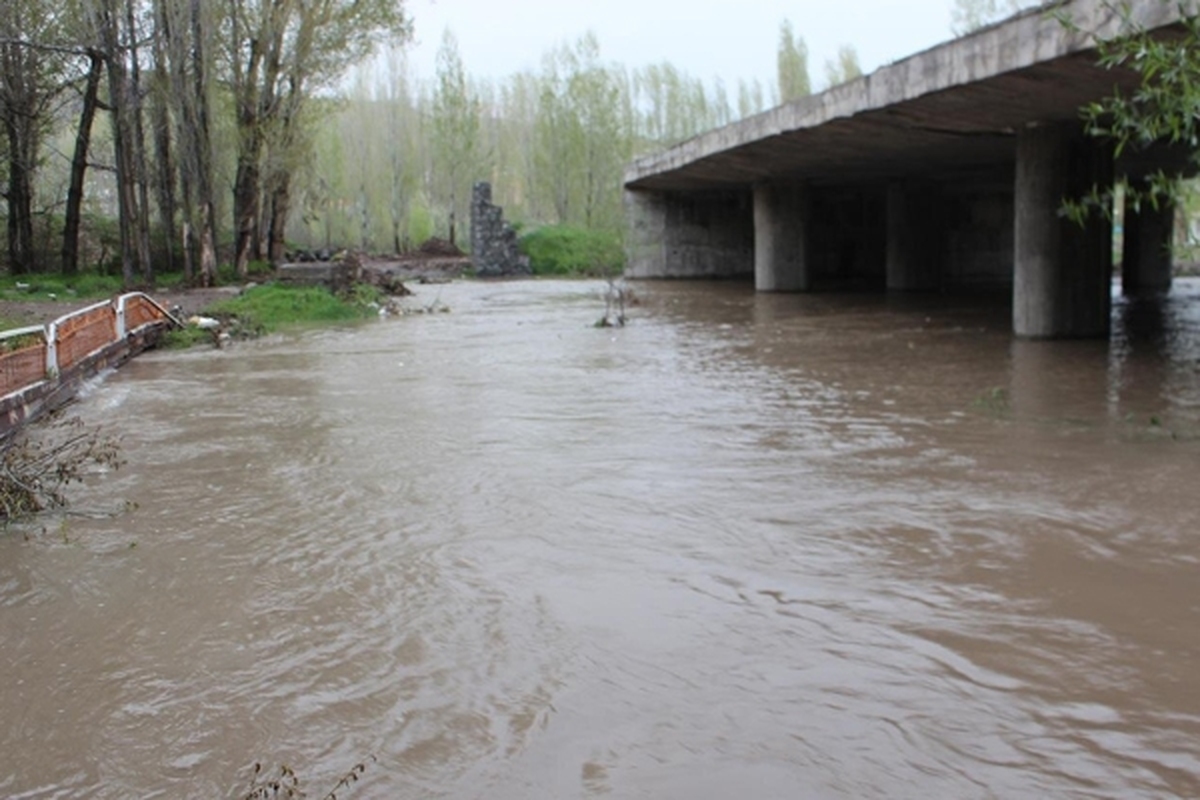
<point>336,276</point>
<point>956,106</point>
<point>782,217</point>
<point>1063,281</point>
<point>690,235</point>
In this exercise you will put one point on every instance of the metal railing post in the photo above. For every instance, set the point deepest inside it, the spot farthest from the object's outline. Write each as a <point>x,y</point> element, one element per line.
<point>121,317</point>
<point>52,350</point>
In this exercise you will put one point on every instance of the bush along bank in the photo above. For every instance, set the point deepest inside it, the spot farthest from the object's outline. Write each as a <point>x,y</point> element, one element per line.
<point>564,250</point>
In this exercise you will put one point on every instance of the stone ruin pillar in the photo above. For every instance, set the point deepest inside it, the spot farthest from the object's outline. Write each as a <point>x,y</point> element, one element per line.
<point>494,251</point>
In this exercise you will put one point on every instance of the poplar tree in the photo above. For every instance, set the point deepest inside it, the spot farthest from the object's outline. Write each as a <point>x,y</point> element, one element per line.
<point>971,15</point>
<point>456,112</point>
<point>843,68</point>
<point>791,68</point>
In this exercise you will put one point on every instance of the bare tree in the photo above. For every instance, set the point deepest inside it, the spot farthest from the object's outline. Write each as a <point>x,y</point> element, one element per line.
<point>79,163</point>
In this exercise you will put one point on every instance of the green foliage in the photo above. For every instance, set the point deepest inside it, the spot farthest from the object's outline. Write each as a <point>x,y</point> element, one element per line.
<point>971,15</point>
<point>420,223</point>
<point>255,270</point>
<point>272,307</point>
<point>844,68</point>
<point>1165,107</point>
<point>183,338</point>
<point>791,64</point>
<point>15,343</point>
<point>457,114</point>
<point>566,250</point>
<point>580,142</point>
<point>85,286</point>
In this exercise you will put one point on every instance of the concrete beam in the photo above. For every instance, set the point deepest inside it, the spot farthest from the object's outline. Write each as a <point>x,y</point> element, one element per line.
<point>957,104</point>
<point>781,238</point>
<point>1063,272</point>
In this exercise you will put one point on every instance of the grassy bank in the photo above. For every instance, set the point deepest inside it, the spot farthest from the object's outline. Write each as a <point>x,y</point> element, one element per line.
<point>273,307</point>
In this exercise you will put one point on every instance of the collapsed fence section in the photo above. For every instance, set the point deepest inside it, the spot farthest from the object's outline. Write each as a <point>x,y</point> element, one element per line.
<point>40,364</point>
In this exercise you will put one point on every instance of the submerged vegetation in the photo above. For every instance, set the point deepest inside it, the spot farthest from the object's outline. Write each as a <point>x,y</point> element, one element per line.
<point>285,783</point>
<point>39,463</point>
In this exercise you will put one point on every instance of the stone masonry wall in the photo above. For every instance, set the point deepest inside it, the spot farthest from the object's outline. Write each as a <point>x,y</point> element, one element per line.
<point>494,249</point>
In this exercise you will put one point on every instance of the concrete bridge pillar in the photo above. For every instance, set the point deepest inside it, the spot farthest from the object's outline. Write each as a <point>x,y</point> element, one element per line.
<point>645,243</point>
<point>1146,263</point>
<point>782,260</point>
<point>703,234</point>
<point>1063,270</point>
<point>913,258</point>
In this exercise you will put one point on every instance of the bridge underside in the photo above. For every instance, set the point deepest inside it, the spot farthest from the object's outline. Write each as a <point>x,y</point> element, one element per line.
<point>951,188</point>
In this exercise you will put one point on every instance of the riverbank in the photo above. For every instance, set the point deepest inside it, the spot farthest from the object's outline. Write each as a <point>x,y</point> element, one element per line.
<point>21,313</point>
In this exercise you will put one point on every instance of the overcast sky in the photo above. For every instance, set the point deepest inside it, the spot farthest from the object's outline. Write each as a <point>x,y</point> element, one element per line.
<point>733,39</point>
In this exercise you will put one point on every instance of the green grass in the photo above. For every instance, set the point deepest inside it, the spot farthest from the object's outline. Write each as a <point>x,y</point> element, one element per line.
<point>270,307</point>
<point>566,250</point>
<point>85,286</point>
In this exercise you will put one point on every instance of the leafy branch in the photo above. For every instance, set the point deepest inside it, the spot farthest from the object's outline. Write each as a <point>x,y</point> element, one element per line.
<point>1164,107</point>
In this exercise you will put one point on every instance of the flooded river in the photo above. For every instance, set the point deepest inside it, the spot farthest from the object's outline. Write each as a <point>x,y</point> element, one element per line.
<point>747,547</point>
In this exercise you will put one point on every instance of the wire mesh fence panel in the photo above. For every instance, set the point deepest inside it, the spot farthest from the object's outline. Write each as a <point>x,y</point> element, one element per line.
<point>22,367</point>
<point>84,333</point>
<point>139,311</point>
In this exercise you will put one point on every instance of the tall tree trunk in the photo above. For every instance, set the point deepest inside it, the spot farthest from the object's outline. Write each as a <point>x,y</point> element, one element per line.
<point>18,104</point>
<point>166,168</point>
<point>22,257</point>
<point>138,152</point>
<point>79,162</point>
<point>207,235</point>
<point>281,199</point>
<point>247,188</point>
<point>118,88</point>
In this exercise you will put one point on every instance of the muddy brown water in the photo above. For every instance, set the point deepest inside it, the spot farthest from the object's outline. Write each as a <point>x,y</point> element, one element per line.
<point>748,546</point>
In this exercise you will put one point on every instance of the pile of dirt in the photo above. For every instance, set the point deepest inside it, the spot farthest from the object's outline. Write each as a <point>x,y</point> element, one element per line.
<point>439,248</point>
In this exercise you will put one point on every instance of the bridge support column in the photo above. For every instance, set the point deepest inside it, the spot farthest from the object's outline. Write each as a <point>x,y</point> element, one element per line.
<point>781,238</point>
<point>702,234</point>
<point>913,263</point>
<point>1146,263</point>
<point>1063,270</point>
<point>645,245</point>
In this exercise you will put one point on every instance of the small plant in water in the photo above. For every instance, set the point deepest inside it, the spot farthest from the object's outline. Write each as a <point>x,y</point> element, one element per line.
<point>995,400</point>
<point>615,297</point>
<point>285,783</point>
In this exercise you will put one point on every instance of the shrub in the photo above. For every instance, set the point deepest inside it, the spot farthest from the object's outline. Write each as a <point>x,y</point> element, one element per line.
<point>567,250</point>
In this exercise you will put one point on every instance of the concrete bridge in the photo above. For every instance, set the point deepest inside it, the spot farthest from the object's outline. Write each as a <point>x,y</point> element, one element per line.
<point>942,172</point>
